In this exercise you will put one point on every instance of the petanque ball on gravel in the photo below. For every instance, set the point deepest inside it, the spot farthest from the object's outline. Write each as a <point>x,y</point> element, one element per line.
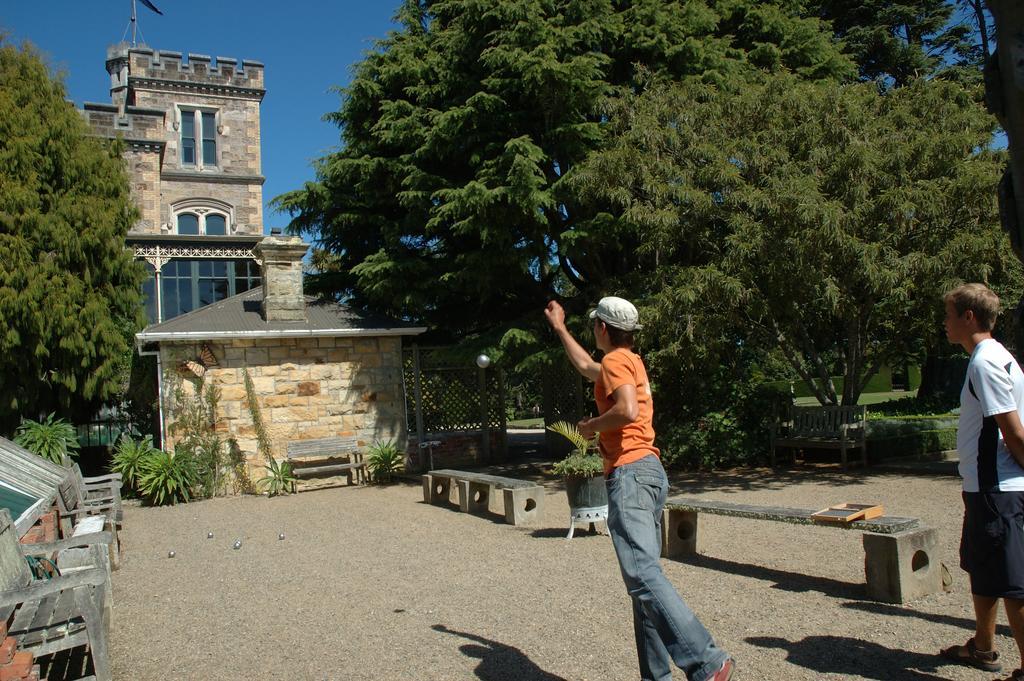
<point>209,535</point>
<point>238,543</point>
<point>280,536</point>
<point>170,554</point>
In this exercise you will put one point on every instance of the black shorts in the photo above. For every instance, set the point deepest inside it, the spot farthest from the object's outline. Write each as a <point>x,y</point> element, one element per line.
<point>992,543</point>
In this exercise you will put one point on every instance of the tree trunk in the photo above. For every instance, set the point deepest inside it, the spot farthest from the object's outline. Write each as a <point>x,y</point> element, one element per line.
<point>1008,98</point>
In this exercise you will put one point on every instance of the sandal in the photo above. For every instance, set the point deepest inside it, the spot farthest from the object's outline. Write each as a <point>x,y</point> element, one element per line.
<point>967,654</point>
<point>1017,675</point>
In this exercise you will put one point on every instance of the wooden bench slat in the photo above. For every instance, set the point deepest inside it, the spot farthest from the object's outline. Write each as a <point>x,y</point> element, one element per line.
<point>319,470</point>
<point>799,516</point>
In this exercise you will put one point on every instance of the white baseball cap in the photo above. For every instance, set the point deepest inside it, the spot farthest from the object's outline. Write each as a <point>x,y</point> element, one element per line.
<point>617,312</point>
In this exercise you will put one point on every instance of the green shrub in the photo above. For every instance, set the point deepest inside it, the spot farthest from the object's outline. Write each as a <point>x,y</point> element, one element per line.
<point>279,478</point>
<point>166,478</point>
<point>583,461</point>
<point>911,444</point>
<point>384,461</point>
<point>915,406</point>
<point>129,458</point>
<point>195,425</point>
<point>579,465</point>
<point>51,438</point>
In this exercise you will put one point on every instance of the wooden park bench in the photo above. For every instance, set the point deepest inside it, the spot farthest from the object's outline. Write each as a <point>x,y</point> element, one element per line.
<point>66,611</point>
<point>327,456</point>
<point>842,428</point>
<point>100,490</point>
<point>522,498</point>
<point>900,561</point>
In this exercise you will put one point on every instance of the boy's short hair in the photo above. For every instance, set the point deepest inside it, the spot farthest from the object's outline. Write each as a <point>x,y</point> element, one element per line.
<point>619,338</point>
<point>977,298</point>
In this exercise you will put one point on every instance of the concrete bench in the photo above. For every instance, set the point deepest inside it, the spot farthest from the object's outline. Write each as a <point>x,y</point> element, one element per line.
<point>900,561</point>
<point>522,499</point>
<point>339,455</point>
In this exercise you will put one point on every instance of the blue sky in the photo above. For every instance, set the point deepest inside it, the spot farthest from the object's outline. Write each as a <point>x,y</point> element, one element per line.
<point>307,48</point>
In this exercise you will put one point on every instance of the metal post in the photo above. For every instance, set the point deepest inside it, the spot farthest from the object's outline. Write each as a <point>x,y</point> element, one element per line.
<point>485,430</point>
<point>501,415</point>
<point>418,396</point>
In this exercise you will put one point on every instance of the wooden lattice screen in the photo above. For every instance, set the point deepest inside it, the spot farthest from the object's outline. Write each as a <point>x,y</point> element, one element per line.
<point>564,400</point>
<point>443,397</point>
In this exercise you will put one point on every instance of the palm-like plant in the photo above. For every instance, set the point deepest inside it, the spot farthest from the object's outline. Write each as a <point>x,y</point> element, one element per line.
<point>130,457</point>
<point>385,460</point>
<point>167,478</point>
<point>51,438</point>
<point>279,478</point>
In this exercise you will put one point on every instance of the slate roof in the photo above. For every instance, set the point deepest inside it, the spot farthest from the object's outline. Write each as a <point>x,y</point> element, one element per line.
<point>239,317</point>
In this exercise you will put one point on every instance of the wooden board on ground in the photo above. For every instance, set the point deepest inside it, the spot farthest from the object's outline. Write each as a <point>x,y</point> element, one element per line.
<point>847,513</point>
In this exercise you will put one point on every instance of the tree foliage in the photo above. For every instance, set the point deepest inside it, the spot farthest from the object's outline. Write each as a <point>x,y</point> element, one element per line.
<point>70,297</point>
<point>901,40</point>
<point>823,219</point>
<point>448,203</point>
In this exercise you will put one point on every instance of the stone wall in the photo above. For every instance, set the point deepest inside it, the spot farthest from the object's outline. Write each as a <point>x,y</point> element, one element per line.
<point>306,388</point>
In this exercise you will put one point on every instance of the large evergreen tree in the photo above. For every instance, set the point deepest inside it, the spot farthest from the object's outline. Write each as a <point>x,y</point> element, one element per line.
<point>448,201</point>
<point>70,297</point>
<point>823,219</point>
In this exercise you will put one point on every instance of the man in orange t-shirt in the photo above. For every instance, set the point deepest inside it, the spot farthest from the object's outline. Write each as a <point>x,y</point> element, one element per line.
<point>665,628</point>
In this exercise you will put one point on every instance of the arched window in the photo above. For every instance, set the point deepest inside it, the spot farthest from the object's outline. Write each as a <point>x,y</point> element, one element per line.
<point>208,217</point>
<point>188,223</point>
<point>216,224</point>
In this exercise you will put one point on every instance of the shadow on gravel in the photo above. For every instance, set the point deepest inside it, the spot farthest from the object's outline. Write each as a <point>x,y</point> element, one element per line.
<point>853,657</point>
<point>898,611</point>
<point>498,662</point>
<point>783,580</point>
<point>749,479</point>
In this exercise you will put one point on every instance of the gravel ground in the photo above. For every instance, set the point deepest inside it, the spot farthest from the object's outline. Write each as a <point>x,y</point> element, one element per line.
<point>371,583</point>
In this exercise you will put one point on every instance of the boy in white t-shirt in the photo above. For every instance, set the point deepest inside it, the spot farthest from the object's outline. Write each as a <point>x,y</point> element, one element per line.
<point>990,443</point>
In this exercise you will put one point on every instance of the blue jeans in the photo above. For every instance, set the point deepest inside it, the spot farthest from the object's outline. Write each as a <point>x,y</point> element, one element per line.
<point>666,629</point>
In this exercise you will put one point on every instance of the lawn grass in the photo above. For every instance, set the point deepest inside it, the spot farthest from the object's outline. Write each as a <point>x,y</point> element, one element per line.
<point>865,398</point>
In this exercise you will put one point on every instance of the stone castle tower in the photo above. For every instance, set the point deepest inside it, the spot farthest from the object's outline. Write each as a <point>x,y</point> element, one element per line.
<point>191,131</point>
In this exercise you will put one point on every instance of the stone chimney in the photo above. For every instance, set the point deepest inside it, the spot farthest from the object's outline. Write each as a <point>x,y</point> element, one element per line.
<point>281,262</point>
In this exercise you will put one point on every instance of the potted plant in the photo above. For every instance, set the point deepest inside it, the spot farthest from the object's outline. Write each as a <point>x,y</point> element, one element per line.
<point>581,469</point>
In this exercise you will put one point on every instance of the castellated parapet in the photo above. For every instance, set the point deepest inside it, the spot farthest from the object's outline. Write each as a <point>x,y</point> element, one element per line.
<point>198,70</point>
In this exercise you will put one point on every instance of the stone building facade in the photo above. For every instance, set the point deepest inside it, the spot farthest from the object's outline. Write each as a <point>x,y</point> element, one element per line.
<point>191,129</point>
<point>317,369</point>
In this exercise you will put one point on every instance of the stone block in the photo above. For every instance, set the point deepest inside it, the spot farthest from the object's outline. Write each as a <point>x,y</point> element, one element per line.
<point>523,505</point>
<point>903,566</point>
<point>436,490</point>
<point>307,388</point>
<point>232,394</point>
<point>257,356</point>
<point>473,497</point>
<point>678,533</point>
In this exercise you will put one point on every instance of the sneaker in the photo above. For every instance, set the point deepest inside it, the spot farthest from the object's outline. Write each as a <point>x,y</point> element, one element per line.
<point>725,672</point>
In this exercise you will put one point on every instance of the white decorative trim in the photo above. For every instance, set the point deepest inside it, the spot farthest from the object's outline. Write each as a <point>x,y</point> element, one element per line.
<point>143,337</point>
<point>157,255</point>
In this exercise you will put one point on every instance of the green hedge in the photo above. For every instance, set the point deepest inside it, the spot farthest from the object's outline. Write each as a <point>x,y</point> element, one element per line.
<point>911,444</point>
<point>879,383</point>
